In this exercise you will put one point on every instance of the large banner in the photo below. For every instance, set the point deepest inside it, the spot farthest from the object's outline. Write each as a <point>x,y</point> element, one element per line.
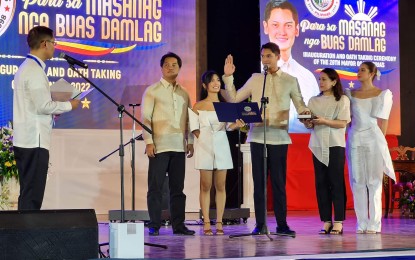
<point>340,34</point>
<point>122,41</point>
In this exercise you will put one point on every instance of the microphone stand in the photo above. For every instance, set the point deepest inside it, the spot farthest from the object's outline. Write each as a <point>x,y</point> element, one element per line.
<point>263,109</point>
<point>132,142</point>
<point>121,110</point>
<point>138,138</point>
<point>133,160</point>
<point>264,102</point>
<point>239,168</point>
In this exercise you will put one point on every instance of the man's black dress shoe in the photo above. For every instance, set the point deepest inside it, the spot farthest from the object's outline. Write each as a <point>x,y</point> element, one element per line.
<point>153,231</point>
<point>184,231</point>
<point>285,231</point>
<point>259,230</point>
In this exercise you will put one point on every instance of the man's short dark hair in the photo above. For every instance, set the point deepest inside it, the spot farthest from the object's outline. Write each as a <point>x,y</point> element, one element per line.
<point>38,34</point>
<point>281,4</point>
<point>271,46</point>
<point>171,55</point>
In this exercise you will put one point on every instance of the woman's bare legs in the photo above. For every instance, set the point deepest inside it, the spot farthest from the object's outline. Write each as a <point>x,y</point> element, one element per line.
<point>204,199</point>
<point>220,184</point>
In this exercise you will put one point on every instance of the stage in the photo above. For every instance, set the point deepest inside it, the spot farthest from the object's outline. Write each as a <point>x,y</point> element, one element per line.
<point>397,239</point>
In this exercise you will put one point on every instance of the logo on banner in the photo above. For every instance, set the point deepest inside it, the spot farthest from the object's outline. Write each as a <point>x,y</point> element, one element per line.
<point>361,15</point>
<point>7,8</point>
<point>322,9</point>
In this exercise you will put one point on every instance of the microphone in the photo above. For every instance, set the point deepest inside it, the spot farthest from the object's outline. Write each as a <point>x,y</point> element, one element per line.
<point>265,68</point>
<point>73,61</point>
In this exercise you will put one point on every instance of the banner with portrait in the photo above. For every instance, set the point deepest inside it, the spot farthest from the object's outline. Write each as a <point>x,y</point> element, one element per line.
<point>340,34</point>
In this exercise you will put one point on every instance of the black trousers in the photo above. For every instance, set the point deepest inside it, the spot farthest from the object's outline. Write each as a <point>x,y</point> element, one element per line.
<point>32,164</point>
<point>330,185</point>
<point>172,163</point>
<point>277,167</point>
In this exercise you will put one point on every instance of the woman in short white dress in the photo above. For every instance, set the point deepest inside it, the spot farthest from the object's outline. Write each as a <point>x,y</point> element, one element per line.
<point>212,153</point>
<point>331,109</point>
<point>367,150</point>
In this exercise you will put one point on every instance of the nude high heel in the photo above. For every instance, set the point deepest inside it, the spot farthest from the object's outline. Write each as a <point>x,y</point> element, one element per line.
<point>219,231</point>
<point>337,228</point>
<point>207,231</point>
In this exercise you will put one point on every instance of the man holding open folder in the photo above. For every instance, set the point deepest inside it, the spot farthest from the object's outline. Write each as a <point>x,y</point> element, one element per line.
<point>33,109</point>
<point>280,88</point>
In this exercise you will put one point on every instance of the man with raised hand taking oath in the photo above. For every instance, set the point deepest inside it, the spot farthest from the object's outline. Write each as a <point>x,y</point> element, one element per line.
<point>280,88</point>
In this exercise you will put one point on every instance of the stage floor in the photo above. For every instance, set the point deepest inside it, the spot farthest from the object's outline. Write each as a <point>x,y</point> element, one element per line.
<point>397,237</point>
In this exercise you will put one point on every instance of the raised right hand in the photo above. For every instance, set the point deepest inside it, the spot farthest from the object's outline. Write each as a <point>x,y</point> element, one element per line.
<point>229,67</point>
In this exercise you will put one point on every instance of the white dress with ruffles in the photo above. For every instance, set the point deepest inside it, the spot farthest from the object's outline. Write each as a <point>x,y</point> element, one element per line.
<point>368,157</point>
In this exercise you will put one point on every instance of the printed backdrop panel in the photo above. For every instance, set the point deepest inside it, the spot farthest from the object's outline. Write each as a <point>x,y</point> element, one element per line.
<point>122,41</point>
<point>340,34</point>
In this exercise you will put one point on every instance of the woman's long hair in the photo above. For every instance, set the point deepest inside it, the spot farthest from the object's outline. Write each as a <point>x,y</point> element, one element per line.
<point>206,79</point>
<point>338,88</point>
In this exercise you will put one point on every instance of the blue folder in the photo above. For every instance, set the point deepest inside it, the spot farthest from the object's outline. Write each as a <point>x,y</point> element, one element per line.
<point>230,112</point>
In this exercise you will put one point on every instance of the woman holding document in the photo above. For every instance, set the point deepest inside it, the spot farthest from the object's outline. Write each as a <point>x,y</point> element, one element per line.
<point>331,110</point>
<point>212,154</point>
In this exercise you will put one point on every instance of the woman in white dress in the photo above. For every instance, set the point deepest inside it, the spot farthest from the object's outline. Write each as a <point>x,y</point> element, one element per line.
<point>367,150</point>
<point>212,153</point>
<point>331,110</point>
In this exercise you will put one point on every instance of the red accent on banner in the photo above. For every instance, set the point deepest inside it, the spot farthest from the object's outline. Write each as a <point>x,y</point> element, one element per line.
<point>347,77</point>
<point>301,192</point>
<point>83,51</point>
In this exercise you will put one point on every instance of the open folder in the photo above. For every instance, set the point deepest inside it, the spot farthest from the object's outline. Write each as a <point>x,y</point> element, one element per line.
<point>63,91</point>
<point>230,112</point>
